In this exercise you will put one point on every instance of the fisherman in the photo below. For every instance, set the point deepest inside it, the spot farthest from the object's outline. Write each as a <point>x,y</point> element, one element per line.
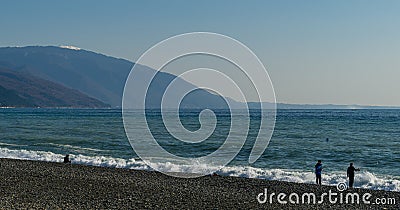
<point>350,174</point>
<point>318,172</point>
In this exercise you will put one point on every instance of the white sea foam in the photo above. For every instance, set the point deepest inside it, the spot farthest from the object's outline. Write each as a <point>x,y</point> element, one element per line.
<point>79,159</point>
<point>364,179</point>
<point>7,144</point>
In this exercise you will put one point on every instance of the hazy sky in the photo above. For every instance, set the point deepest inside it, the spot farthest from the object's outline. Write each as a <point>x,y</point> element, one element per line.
<point>340,52</point>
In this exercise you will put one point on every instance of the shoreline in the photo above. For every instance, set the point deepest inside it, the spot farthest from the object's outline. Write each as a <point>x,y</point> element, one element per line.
<point>37,184</point>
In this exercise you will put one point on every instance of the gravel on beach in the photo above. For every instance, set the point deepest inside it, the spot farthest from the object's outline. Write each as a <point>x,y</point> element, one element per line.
<point>48,185</point>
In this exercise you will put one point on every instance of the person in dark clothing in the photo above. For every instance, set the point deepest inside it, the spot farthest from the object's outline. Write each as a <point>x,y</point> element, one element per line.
<point>350,174</point>
<point>318,172</point>
<point>66,159</point>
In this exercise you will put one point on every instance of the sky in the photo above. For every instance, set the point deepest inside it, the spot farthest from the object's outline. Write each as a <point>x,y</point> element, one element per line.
<point>316,52</point>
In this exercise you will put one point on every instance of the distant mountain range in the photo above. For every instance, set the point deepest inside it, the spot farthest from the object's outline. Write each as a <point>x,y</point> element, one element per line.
<point>96,75</point>
<point>68,76</point>
<point>24,90</point>
<point>93,74</point>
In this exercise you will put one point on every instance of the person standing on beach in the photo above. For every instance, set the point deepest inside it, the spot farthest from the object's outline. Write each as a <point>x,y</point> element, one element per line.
<point>318,172</point>
<point>350,174</point>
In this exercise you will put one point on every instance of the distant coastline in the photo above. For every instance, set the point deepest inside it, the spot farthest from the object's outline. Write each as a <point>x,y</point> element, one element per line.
<point>267,105</point>
<point>252,105</point>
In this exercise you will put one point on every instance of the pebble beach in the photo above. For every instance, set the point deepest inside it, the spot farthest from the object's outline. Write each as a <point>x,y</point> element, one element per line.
<point>29,184</point>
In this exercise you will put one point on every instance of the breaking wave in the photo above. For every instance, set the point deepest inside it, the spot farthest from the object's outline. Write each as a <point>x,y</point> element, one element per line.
<point>365,179</point>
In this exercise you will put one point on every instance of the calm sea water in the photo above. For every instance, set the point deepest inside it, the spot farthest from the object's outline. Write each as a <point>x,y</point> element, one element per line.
<point>369,138</point>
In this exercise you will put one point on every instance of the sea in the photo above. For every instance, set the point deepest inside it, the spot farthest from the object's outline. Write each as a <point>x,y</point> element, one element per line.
<point>370,138</point>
